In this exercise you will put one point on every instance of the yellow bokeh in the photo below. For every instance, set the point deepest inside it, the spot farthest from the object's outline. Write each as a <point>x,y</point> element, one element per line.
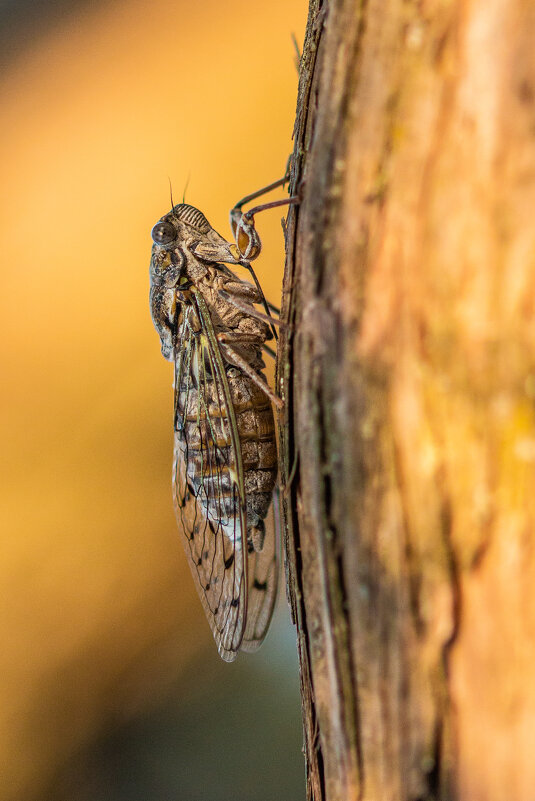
<point>99,111</point>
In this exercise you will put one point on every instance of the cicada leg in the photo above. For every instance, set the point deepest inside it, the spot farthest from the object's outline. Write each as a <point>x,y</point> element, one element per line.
<point>223,338</point>
<point>269,350</point>
<point>245,233</point>
<point>242,223</point>
<point>273,308</point>
<point>250,310</point>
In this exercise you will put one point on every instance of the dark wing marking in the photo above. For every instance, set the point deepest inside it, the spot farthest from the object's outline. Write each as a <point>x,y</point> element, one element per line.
<point>263,576</point>
<point>208,480</point>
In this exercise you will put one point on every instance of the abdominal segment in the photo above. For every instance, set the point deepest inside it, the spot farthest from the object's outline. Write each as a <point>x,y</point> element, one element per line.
<point>204,437</point>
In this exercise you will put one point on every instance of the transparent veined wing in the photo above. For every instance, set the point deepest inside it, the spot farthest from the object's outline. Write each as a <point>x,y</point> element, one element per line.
<point>263,575</point>
<point>235,570</point>
<point>208,480</point>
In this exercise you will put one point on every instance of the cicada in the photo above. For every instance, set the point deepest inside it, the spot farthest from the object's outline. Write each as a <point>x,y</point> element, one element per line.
<point>225,457</point>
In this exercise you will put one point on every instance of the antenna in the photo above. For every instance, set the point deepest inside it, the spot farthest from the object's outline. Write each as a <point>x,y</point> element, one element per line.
<point>185,187</point>
<point>171,193</point>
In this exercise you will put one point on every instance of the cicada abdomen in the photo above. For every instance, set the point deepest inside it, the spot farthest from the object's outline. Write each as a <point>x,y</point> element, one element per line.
<point>204,435</point>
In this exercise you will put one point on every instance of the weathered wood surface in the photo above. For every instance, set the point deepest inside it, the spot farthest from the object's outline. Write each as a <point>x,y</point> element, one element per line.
<point>408,372</point>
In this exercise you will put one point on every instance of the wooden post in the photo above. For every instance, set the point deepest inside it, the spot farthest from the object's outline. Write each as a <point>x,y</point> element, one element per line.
<point>408,374</point>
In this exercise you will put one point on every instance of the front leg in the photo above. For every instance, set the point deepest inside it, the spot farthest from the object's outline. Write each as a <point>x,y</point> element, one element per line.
<point>242,223</point>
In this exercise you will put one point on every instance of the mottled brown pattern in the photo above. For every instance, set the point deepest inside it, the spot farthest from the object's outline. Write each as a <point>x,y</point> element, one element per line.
<point>225,463</point>
<point>209,446</point>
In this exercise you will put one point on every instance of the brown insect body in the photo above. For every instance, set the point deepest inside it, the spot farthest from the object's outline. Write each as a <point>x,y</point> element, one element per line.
<point>225,462</point>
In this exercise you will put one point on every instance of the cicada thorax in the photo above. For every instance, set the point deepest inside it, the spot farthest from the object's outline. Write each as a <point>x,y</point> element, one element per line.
<point>203,427</point>
<point>192,216</point>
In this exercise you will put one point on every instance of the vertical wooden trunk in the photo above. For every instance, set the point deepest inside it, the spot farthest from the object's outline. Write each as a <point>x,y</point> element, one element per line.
<point>408,371</point>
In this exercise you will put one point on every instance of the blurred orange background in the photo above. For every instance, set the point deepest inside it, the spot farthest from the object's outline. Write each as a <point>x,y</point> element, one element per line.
<point>111,684</point>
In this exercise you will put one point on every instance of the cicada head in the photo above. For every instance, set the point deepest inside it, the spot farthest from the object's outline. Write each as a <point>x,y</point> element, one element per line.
<point>195,233</point>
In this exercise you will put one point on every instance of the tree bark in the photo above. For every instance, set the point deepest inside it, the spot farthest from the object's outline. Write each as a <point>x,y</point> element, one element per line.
<point>408,375</point>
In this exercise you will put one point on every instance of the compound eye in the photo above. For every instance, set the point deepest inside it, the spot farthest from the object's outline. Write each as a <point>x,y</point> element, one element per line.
<point>163,233</point>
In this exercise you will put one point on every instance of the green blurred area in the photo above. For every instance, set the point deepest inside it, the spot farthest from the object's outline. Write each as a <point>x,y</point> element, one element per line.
<point>221,732</point>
